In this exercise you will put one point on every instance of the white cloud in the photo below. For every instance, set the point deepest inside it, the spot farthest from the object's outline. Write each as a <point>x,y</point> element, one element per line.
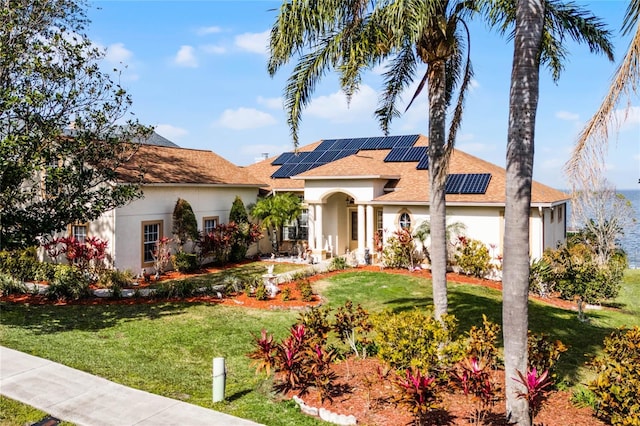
<point>628,118</point>
<point>567,116</point>
<point>213,49</point>
<point>244,118</point>
<point>186,57</point>
<point>271,103</point>
<point>474,84</point>
<point>253,42</point>
<point>171,132</point>
<point>209,30</point>
<point>117,53</point>
<point>334,107</point>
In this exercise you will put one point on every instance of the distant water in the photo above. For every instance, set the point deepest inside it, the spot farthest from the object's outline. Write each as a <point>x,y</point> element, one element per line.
<point>630,242</point>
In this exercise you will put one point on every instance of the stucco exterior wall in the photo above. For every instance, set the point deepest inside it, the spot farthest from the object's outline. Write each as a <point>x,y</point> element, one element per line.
<point>158,204</point>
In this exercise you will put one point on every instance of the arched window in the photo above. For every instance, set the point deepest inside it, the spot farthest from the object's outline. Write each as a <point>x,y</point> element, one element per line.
<point>405,221</point>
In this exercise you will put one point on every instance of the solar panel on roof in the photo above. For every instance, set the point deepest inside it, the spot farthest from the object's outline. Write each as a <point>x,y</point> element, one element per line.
<point>476,183</point>
<point>328,156</point>
<point>467,183</point>
<point>282,159</point>
<point>355,143</point>
<point>406,141</point>
<point>396,155</point>
<point>415,153</point>
<point>283,171</point>
<point>346,153</point>
<point>387,142</point>
<point>424,163</point>
<point>340,144</point>
<point>372,143</point>
<point>325,145</point>
<point>312,156</point>
<point>454,183</point>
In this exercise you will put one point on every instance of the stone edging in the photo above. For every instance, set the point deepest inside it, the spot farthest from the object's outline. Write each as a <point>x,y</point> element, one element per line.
<point>326,415</point>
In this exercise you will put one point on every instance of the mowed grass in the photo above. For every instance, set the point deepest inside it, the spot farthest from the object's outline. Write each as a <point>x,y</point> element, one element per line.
<point>167,348</point>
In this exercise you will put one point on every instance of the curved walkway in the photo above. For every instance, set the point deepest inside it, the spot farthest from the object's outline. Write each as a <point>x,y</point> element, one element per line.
<point>84,399</point>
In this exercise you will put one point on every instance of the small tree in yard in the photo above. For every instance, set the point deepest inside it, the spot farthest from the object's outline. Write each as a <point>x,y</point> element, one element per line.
<point>238,213</point>
<point>185,225</point>
<point>603,215</point>
<point>276,211</point>
<point>577,274</point>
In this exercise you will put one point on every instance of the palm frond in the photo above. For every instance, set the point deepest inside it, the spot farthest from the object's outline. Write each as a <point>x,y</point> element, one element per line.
<point>398,76</point>
<point>631,17</point>
<point>589,150</point>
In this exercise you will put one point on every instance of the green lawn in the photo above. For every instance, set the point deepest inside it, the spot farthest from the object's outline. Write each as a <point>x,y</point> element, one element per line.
<point>167,348</point>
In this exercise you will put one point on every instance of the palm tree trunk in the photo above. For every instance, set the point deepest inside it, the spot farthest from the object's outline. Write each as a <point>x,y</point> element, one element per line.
<point>438,175</point>
<point>523,102</point>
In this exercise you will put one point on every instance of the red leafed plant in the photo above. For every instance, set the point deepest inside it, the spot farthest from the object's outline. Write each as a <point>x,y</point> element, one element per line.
<point>537,387</point>
<point>84,254</point>
<point>263,356</point>
<point>418,393</point>
<point>472,376</point>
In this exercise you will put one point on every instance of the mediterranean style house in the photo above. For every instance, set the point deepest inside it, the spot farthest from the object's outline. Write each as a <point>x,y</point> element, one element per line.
<point>207,181</point>
<point>355,192</point>
<point>357,189</point>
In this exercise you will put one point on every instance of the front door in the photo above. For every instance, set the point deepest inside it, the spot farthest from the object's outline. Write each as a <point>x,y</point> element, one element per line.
<point>353,229</point>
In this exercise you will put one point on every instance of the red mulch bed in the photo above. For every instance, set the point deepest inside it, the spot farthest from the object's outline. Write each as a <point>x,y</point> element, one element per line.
<point>370,398</point>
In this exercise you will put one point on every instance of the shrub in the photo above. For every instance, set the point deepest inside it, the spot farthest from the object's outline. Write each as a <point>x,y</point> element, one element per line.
<point>537,386</point>
<point>417,392</point>
<point>261,292</point>
<point>473,257</point>
<point>482,342</point>
<point>185,225</point>
<point>177,288</point>
<point>338,263</point>
<point>286,294</point>
<point>304,286</point>
<point>414,339</point>
<point>185,262</point>
<point>87,255</point>
<point>543,353</point>
<point>20,264</point>
<point>398,251</point>
<point>69,283</point>
<point>316,323</point>
<point>472,376</point>
<point>617,384</point>
<point>115,281</point>
<point>350,322</point>
<point>11,285</point>
<point>541,278</point>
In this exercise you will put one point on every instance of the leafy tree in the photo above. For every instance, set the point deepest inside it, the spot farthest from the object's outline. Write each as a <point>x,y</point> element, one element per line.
<point>60,147</point>
<point>603,215</point>
<point>577,274</point>
<point>239,216</point>
<point>351,37</point>
<point>540,29</point>
<point>185,225</point>
<point>276,211</point>
<point>238,213</point>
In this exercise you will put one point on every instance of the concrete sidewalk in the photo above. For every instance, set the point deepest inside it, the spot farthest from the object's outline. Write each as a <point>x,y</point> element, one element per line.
<point>83,399</point>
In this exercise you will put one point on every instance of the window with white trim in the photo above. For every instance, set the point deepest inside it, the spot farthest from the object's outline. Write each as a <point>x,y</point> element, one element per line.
<point>79,232</point>
<point>151,234</point>
<point>209,224</point>
<point>297,229</point>
<point>405,221</point>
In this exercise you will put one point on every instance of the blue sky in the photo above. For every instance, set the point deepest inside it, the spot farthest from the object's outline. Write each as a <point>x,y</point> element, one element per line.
<point>197,71</point>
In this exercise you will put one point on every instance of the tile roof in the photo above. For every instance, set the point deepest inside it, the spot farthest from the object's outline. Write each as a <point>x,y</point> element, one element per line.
<point>412,185</point>
<point>170,165</point>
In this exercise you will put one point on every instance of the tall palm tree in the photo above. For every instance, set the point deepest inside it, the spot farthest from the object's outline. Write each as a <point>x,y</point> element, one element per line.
<point>587,157</point>
<point>540,27</point>
<point>351,36</point>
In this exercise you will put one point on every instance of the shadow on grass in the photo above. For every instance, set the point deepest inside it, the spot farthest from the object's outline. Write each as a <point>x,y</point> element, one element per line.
<point>583,339</point>
<point>47,319</point>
